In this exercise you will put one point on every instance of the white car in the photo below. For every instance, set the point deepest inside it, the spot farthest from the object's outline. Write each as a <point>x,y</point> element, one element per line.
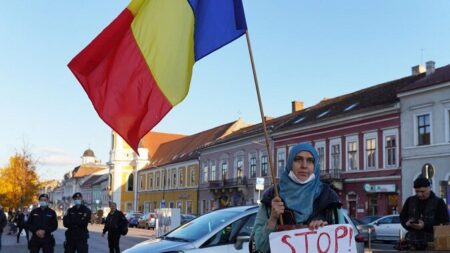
<point>388,228</point>
<point>221,231</point>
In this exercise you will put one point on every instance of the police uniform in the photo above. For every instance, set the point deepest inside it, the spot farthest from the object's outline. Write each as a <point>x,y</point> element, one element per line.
<point>42,218</point>
<point>76,221</point>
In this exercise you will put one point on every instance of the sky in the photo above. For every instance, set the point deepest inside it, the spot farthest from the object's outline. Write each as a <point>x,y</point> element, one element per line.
<point>304,50</point>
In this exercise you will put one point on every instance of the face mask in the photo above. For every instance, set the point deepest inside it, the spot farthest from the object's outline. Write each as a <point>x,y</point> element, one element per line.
<point>43,203</point>
<point>77,202</point>
<point>298,181</point>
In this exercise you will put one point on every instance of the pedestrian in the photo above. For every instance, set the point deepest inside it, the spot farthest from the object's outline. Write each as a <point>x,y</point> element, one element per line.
<point>21,221</point>
<point>303,200</point>
<point>420,213</point>
<point>116,225</point>
<point>3,222</point>
<point>76,221</point>
<point>42,223</point>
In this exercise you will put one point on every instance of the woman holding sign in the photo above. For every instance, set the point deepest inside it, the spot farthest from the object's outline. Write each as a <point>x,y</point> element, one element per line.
<point>303,199</point>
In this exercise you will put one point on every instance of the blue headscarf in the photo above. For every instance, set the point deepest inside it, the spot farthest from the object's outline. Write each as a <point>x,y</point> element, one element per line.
<point>300,197</point>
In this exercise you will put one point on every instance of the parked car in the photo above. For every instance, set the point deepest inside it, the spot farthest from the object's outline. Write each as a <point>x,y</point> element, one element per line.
<point>224,230</point>
<point>388,228</point>
<point>365,230</point>
<point>370,218</point>
<point>147,221</point>
<point>185,218</point>
<point>133,219</point>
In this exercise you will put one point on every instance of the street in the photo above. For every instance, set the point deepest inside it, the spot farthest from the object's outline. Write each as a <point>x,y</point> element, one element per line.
<point>96,242</point>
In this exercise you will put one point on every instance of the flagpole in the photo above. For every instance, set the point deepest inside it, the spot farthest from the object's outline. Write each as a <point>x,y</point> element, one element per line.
<point>261,110</point>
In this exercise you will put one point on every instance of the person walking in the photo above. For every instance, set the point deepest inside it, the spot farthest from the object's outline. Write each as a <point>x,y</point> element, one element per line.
<point>116,224</point>
<point>420,213</point>
<point>3,222</point>
<point>21,221</point>
<point>76,221</point>
<point>42,223</point>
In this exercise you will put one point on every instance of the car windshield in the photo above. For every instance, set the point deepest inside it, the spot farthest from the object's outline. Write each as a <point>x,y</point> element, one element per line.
<point>201,226</point>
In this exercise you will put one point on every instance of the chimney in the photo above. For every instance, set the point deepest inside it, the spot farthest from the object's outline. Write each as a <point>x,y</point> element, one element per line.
<point>297,106</point>
<point>417,70</point>
<point>430,67</point>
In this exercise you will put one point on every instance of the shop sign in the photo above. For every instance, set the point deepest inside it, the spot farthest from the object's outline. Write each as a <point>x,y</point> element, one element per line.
<point>380,188</point>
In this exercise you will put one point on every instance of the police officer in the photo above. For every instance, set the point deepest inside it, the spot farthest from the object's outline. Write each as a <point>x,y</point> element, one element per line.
<point>115,224</point>
<point>76,221</point>
<point>42,223</point>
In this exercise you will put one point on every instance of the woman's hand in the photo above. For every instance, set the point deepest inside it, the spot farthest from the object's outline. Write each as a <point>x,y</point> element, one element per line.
<point>315,224</point>
<point>277,210</point>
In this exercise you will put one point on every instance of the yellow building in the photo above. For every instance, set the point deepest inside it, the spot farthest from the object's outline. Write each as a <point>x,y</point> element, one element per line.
<point>124,165</point>
<point>171,179</point>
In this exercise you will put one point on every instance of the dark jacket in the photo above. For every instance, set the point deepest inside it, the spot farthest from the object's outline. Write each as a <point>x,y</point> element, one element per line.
<point>3,221</point>
<point>42,218</point>
<point>115,223</point>
<point>76,221</point>
<point>432,211</point>
<point>20,220</point>
<point>325,207</point>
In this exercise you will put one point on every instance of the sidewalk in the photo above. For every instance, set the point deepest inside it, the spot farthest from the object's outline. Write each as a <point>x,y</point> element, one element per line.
<point>10,245</point>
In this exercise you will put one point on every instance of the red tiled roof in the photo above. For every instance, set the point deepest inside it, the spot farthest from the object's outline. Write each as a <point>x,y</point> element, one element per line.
<point>85,170</point>
<point>439,76</point>
<point>186,148</point>
<point>370,98</point>
<point>90,181</point>
<point>153,140</point>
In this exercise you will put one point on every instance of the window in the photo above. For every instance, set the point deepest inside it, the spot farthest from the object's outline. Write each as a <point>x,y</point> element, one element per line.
<point>447,127</point>
<point>370,153</point>
<point>391,146</point>
<point>240,167</point>
<point>168,178</point>
<point>280,163</point>
<point>335,156</point>
<point>320,147</point>
<point>174,181</point>
<point>213,172</point>
<point>192,172</point>
<point>241,227</point>
<point>205,174</point>
<point>150,181</point>
<point>130,184</point>
<point>264,166</point>
<point>423,129</point>
<point>158,180</point>
<point>224,169</point>
<point>181,179</point>
<point>188,206</point>
<point>142,182</point>
<point>129,207</point>
<point>253,167</point>
<point>352,155</point>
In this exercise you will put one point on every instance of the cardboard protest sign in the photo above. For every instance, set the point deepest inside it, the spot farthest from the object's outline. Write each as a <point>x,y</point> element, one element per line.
<point>332,239</point>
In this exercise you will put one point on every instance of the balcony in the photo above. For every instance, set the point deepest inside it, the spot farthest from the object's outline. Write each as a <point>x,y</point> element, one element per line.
<point>332,174</point>
<point>235,182</point>
<point>216,184</point>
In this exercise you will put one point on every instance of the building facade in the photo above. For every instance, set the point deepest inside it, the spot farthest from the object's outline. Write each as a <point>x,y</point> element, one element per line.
<point>425,130</point>
<point>357,137</point>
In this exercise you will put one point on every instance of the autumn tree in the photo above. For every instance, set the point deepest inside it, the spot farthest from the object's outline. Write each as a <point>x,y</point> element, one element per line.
<point>19,181</point>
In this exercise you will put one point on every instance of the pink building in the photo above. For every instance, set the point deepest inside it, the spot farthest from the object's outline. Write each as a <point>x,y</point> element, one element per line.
<point>357,136</point>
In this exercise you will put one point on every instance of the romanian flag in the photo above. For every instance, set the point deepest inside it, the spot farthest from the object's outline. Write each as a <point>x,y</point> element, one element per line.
<point>140,66</point>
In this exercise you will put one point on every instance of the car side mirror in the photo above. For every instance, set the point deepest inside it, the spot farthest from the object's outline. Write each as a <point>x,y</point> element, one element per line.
<point>240,241</point>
